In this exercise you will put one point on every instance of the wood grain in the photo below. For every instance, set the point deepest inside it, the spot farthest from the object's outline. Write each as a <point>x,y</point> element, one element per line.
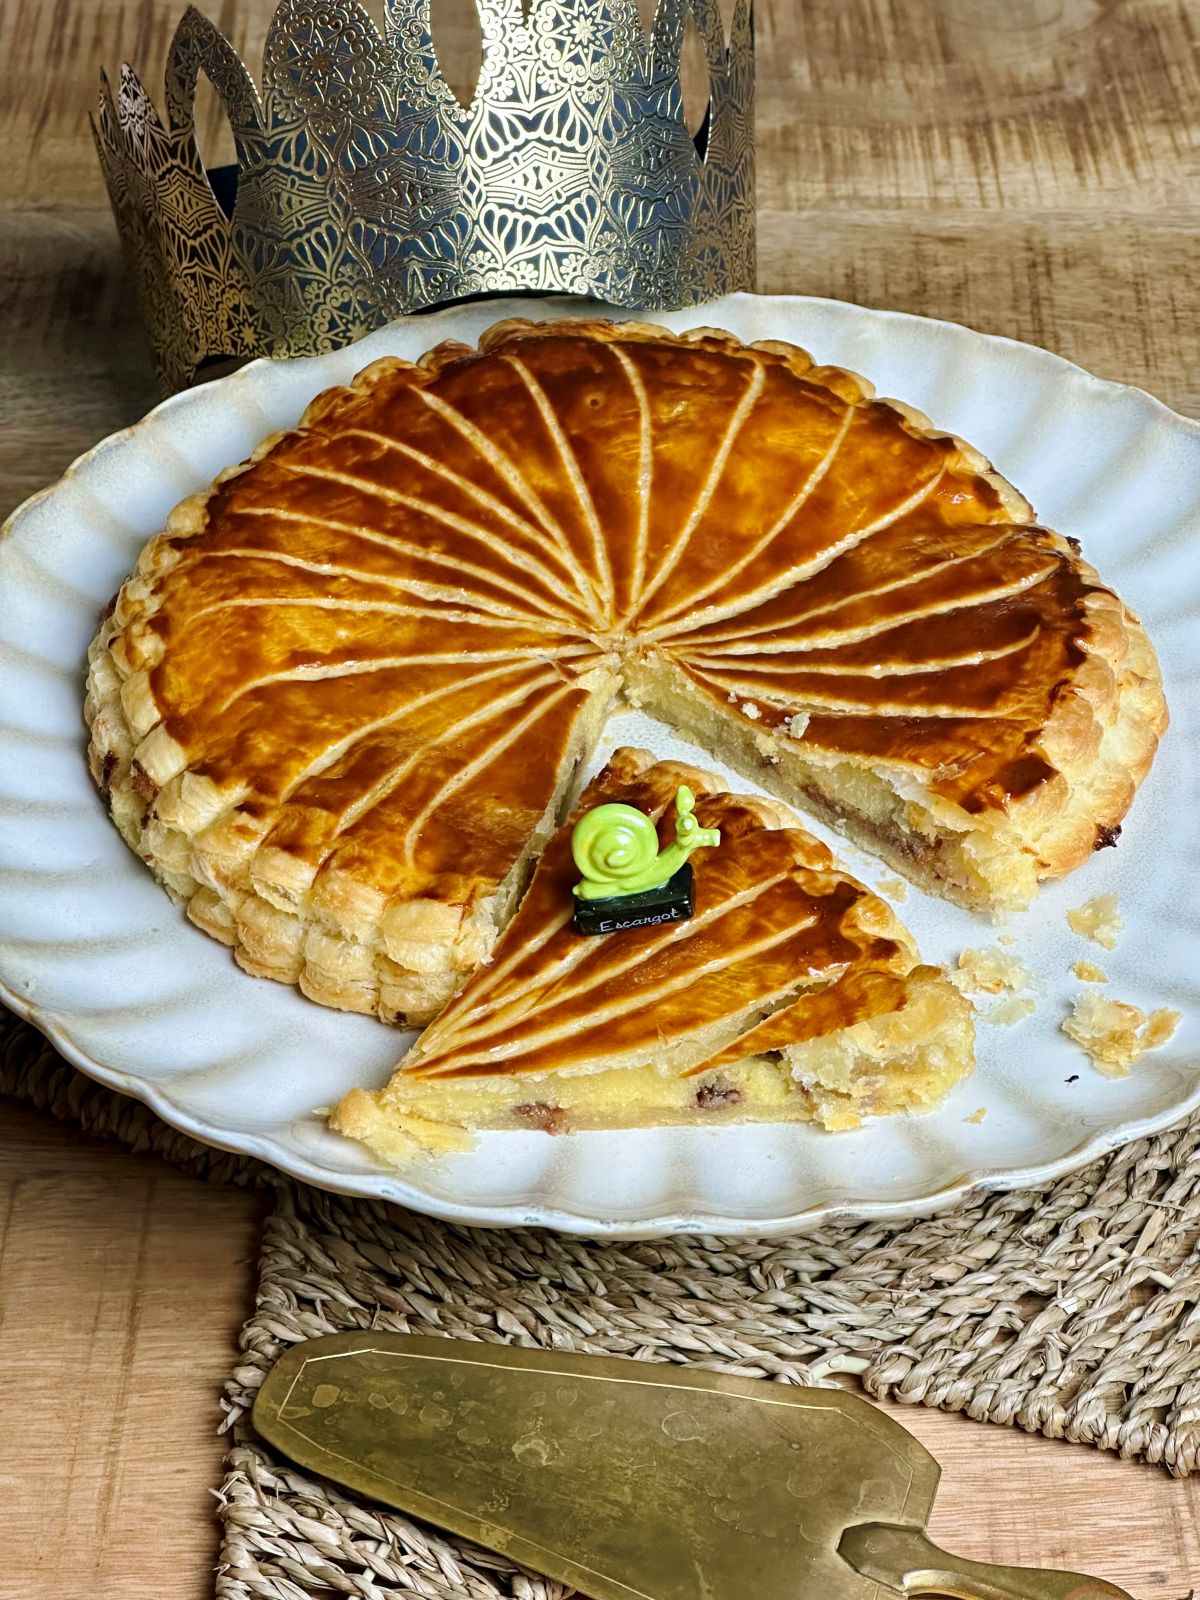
<point>1030,167</point>
<point>123,1284</point>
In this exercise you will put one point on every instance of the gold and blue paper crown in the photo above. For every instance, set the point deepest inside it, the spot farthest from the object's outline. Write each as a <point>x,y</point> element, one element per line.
<point>364,188</point>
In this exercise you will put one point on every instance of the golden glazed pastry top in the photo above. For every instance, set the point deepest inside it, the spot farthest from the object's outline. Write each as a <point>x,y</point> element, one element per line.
<point>341,692</point>
<point>774,916</point>
<point>573,492</point>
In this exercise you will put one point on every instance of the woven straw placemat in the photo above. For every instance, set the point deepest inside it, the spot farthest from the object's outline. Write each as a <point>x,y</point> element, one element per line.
<point>1071,1310</point>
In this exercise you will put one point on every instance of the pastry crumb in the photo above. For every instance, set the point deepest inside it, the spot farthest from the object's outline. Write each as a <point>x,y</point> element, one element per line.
<point>797,725</point>
<point>746,707</point>
<point>990,972</point>
<point>894,888</point>
<point>1098,920</point>
<point>1160,1027</point>
<point>1115,1034</point>
<point>977,1116</point>
<point>1010,1011</point>
<point>1005,939</point>
<point>993,972</point>
<point>1089,972</point>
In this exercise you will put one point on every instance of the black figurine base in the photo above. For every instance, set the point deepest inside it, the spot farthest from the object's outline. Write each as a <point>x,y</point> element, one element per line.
<point>673,901</point>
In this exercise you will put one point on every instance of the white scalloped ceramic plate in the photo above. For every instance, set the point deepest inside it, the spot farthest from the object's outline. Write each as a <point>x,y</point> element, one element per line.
<point>94,953</point>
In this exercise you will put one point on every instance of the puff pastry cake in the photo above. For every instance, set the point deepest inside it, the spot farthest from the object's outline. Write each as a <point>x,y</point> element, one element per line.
<point>338,706</point>
<point>792,995</point>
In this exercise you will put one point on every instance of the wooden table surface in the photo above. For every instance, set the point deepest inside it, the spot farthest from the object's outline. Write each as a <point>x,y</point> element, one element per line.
<point>1031,167</point>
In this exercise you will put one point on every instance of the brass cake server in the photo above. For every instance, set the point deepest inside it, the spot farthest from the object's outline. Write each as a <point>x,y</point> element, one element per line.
<point>632,1480</point>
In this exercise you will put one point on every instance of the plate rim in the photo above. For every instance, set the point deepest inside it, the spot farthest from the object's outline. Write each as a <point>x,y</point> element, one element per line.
<point>392,1189</point>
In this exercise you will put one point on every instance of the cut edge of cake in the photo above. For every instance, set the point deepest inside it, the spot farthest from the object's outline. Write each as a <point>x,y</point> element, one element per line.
<point>906,1060</point>
<point>1101,737</point>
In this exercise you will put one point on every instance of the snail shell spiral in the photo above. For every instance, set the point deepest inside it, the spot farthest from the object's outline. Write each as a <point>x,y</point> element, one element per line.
<point>614,844</point>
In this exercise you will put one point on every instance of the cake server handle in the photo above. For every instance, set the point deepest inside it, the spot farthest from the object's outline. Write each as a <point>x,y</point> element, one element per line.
<point>905,1560</point>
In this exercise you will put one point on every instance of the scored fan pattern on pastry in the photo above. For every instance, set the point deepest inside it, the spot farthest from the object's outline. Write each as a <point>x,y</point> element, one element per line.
<point>338,705</point>
<point>793,994</point>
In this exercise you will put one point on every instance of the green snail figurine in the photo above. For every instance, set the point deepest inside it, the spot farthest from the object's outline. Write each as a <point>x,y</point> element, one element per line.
<point>628,882</point>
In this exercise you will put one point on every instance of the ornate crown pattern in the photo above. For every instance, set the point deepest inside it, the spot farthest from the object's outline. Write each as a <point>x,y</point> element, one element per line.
<point>365,188</point>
